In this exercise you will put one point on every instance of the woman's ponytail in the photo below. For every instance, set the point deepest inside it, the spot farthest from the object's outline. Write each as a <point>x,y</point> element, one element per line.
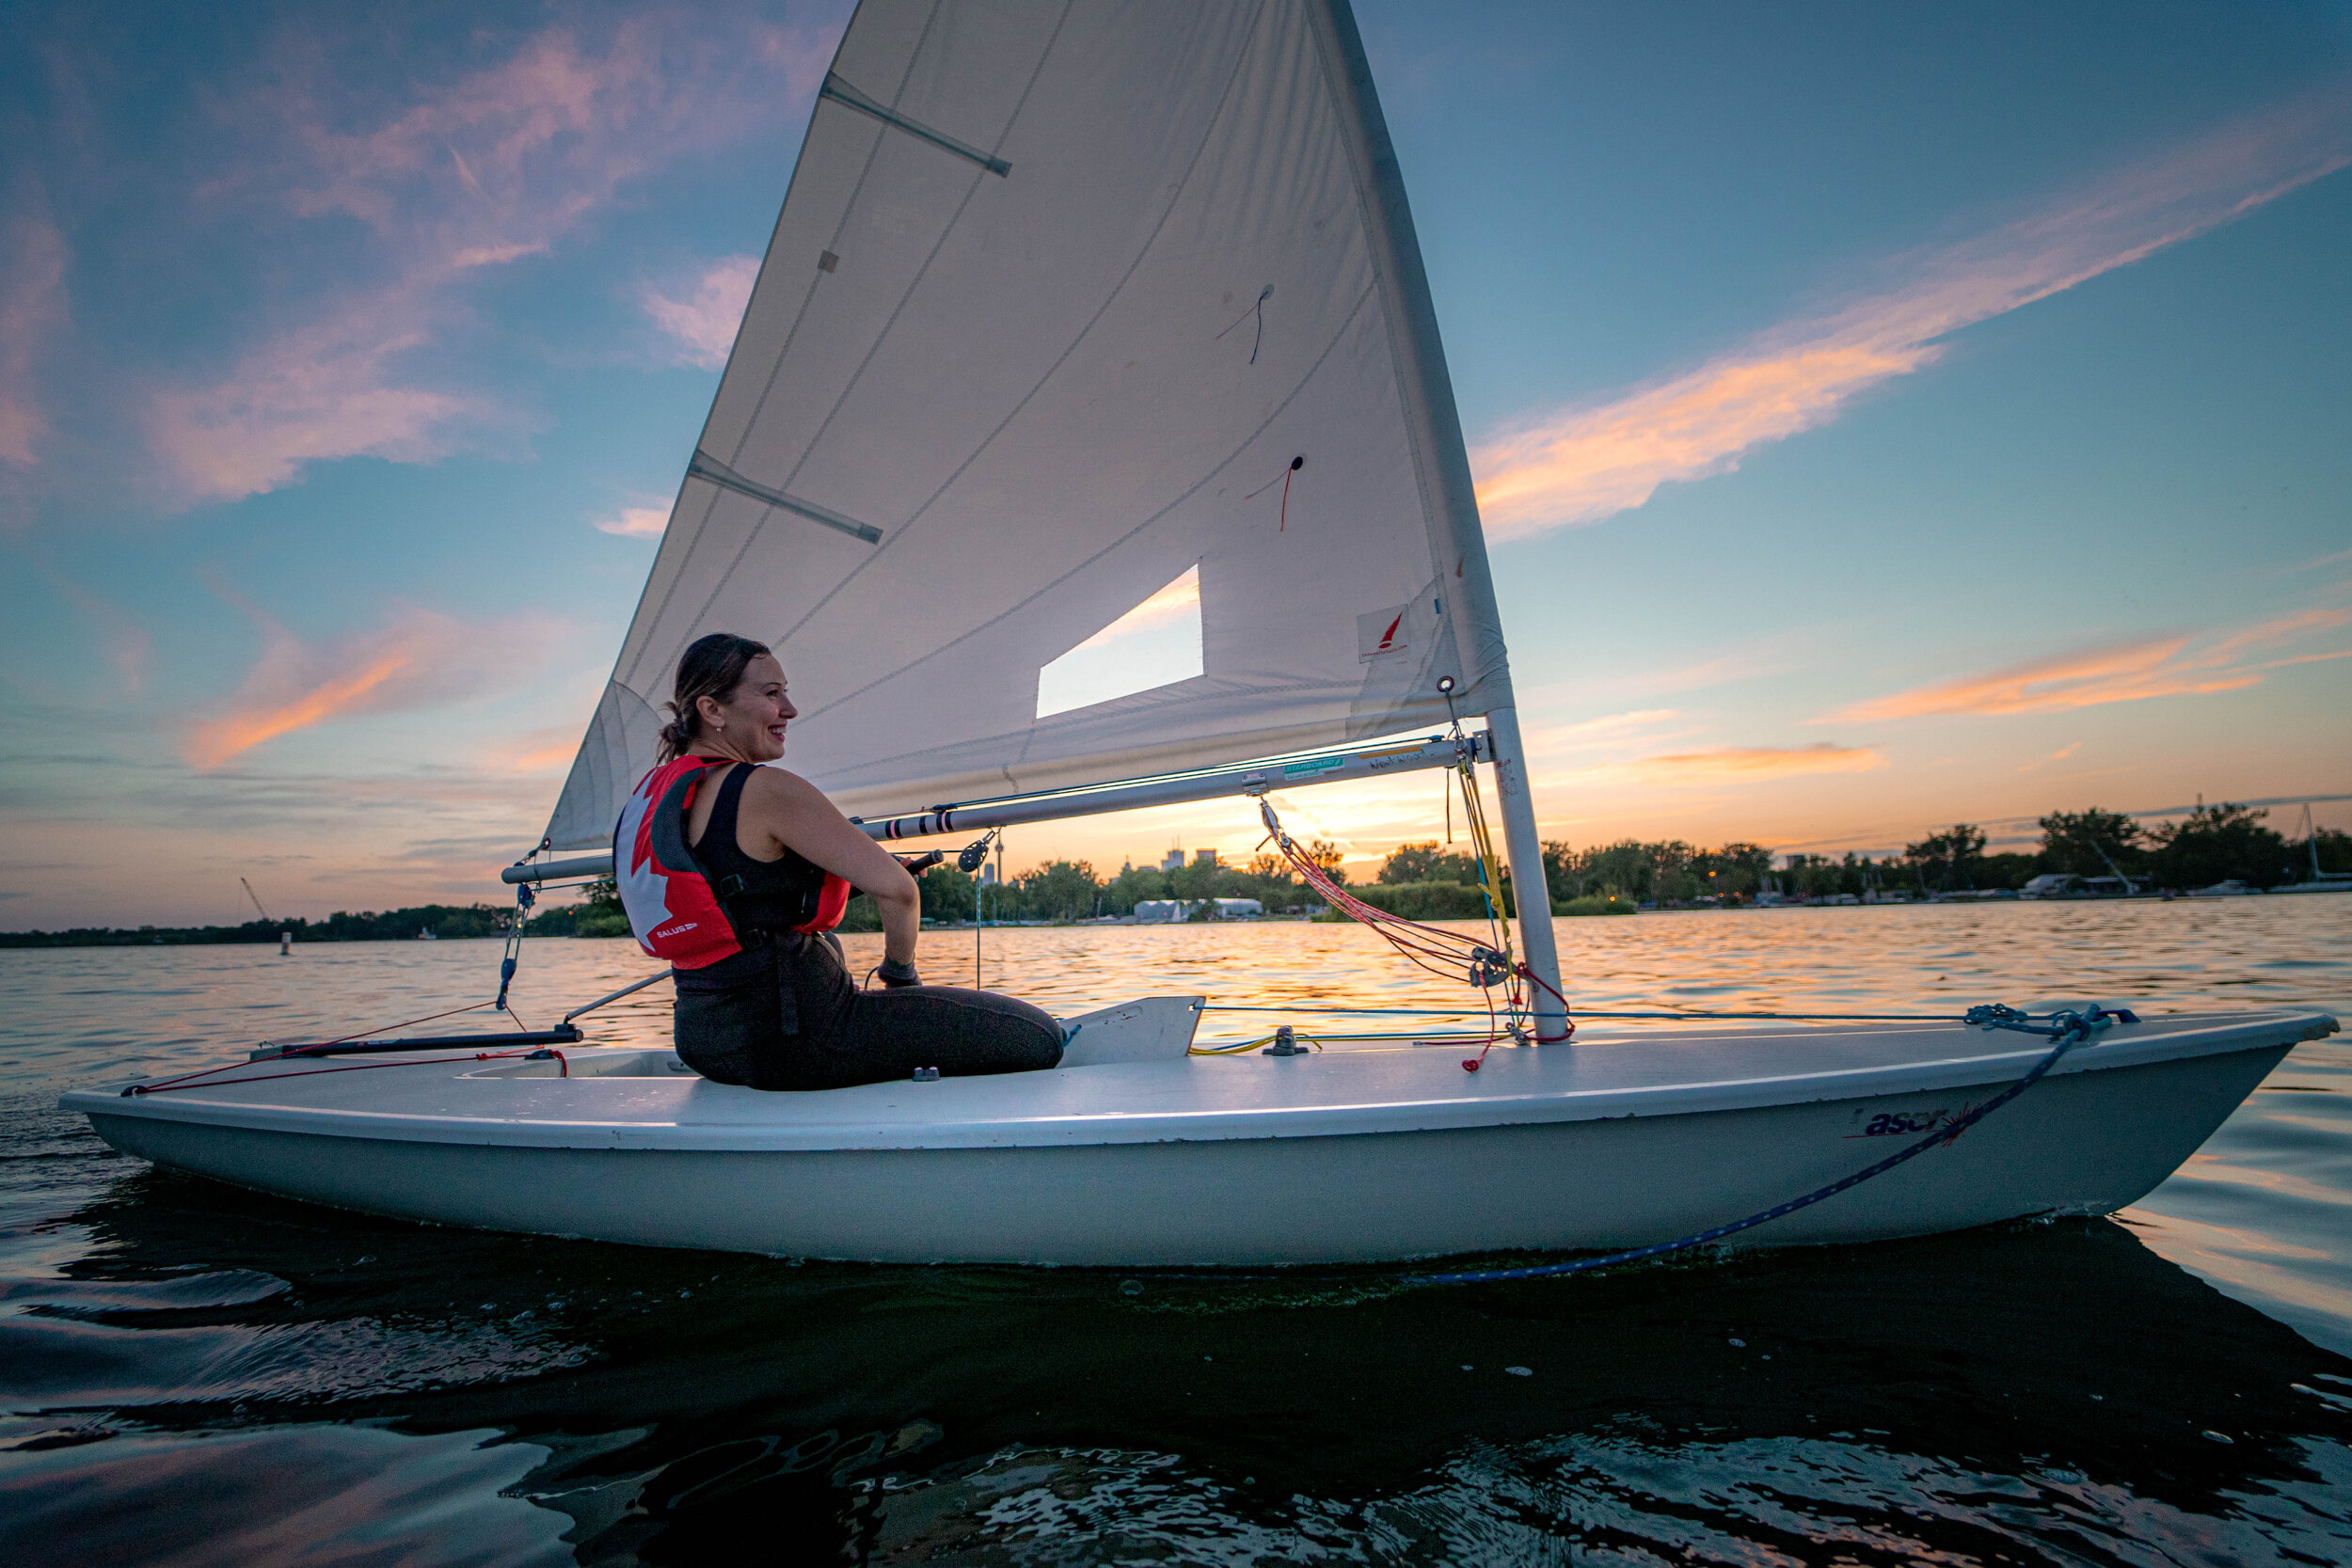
<point>712,666</point>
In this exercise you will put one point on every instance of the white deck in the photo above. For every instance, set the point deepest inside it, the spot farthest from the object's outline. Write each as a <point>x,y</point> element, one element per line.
<point>1174,1159</point>
<point>637,1099</point>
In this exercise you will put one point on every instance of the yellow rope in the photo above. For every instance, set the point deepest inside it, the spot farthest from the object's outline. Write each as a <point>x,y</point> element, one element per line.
<point>1490,884</point>
<point>1474,808</point>
<point>1240,1048</point>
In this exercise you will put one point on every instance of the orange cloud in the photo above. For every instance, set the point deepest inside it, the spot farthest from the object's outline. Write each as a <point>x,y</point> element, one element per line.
<point>1739,763</point>
<point>541,751</point>
<point>2162,666</point>
<point>1581,465</point>
<point>2308,658</point>
<point>2277,629</point>
<point>421,660</point>
<point>217,742</point>
<point>1177,599</point>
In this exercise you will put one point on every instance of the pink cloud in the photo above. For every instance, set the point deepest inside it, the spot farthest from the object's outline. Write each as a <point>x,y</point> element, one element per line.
<point>1610,732</point>
<point>703,325</point>
<point>333,388</point>
<point>2308,658</point>
<point>502,162</point>
<point>1582,464</point>
<point>2059,755</point>
<point>2168,665</point>
<point>1743,764</point>
<point>125,640</point>
<point>418,659</point>
<point>32,310</point>
<point>1612,724</point>
<point>540,751</point>
<point>464,177</point>
<point>638,522</point>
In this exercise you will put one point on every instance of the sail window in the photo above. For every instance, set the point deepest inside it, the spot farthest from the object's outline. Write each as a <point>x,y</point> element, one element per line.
<point>1156,644</point>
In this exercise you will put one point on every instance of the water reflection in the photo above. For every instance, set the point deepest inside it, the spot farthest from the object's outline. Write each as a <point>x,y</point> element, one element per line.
<point>2036,1392</point>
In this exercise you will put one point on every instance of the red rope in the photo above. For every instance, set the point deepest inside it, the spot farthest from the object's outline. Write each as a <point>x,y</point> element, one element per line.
<point>1283,521</point>
<point>1528,973</point>
<point>319,1045</point>
<point>1426,947</point>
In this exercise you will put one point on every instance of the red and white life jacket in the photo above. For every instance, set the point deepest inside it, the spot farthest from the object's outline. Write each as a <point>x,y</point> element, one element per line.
<point>673,910</point>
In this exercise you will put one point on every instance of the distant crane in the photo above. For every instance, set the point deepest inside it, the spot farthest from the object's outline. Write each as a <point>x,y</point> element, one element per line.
<point>285,938</point>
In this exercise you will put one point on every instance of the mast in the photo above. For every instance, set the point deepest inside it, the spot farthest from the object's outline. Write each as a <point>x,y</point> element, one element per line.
<point>1451,499</point>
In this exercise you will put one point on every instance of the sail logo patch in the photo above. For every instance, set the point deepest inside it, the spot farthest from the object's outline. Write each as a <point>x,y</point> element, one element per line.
<point>1381,633</point>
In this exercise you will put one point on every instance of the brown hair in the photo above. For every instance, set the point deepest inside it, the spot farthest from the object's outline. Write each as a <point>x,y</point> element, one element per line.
<point>712,667</point>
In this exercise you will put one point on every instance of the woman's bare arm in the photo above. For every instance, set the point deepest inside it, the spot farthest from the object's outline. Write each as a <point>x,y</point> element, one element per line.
<point>795,815</point>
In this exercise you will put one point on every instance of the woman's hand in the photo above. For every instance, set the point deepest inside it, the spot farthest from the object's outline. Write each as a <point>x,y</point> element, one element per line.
<point>792,813</point>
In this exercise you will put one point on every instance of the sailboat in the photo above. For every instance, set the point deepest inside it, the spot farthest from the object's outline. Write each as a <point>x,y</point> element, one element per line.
<point>1082,322</point>
<point>2318,882</point>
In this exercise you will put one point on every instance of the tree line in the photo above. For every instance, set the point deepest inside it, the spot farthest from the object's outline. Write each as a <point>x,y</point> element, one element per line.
<point>2212,844</point>
<point>1428,882</point>
<point>442,920</point>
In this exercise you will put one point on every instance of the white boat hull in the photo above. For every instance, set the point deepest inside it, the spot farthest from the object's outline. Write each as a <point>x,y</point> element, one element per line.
<point>2080,1145</point>
<point>1241,1161</point>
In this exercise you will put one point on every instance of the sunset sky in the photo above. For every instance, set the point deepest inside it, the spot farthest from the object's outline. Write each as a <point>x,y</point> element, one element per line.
<point>1882,416</point>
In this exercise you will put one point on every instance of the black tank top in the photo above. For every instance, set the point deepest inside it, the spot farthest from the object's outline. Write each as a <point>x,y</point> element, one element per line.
<point>759,896</point>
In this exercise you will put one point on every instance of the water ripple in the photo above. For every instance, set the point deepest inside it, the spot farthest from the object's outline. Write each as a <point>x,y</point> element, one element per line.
<point>194,1374</point>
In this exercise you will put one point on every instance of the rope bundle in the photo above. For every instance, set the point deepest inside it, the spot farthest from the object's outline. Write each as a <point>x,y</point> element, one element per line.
<point>1449,954</point>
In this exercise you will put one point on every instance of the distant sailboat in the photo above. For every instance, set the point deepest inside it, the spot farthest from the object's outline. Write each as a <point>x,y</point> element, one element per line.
<point>2318,882</point>
<point>1088,444</point>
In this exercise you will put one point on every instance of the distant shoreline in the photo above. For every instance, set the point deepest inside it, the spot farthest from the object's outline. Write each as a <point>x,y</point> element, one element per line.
<point>304,934</point>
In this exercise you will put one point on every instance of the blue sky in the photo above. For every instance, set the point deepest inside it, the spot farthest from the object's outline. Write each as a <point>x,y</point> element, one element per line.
<point>1884,415</point>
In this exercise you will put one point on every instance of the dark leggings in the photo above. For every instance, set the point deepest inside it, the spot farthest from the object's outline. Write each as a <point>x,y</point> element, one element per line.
<point>787,1015</point>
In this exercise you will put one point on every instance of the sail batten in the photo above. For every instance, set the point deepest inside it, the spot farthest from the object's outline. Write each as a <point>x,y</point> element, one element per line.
<point>707,467</point>
<point>1015,398</point>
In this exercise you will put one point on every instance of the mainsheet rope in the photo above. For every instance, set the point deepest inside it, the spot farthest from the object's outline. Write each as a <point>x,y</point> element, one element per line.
<point>187,1080</point>
<point>509,961</point>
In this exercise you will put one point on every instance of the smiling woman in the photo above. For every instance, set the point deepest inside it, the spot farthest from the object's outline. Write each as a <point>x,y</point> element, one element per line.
<point>738,871</point>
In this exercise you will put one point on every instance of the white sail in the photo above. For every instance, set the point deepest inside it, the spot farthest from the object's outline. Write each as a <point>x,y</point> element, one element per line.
<point>1076,308</point>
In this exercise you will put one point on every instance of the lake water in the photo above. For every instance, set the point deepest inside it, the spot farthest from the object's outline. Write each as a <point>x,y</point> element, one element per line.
<point>195,1374</point>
